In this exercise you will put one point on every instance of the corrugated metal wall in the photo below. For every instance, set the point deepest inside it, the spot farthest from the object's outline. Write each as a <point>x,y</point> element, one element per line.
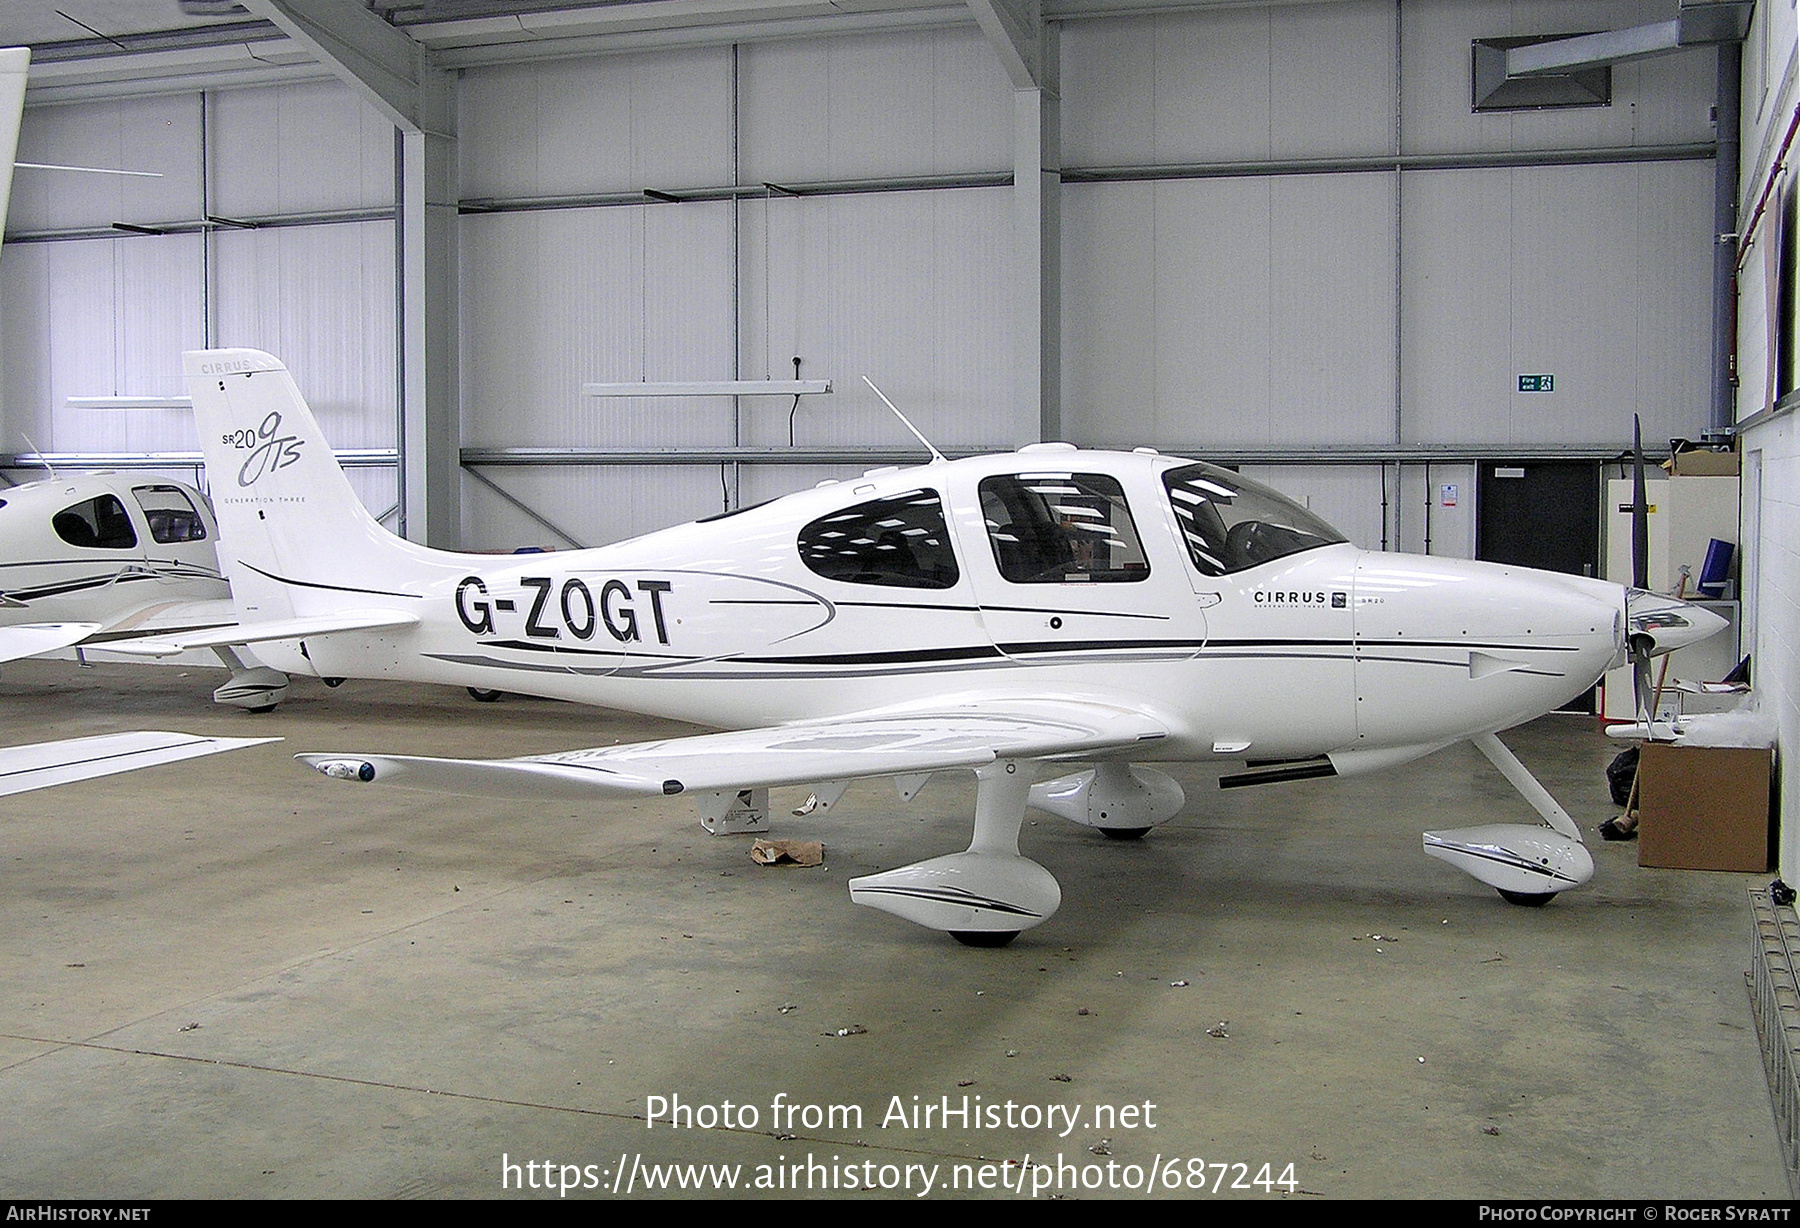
<point>1226,307</point>
<point>1230,312</point>
<point>89,310</point>
<point>561,289</point>
<point>1238,309</point>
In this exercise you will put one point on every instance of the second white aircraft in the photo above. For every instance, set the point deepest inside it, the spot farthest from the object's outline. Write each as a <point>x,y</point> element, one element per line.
<point>1011,615</point>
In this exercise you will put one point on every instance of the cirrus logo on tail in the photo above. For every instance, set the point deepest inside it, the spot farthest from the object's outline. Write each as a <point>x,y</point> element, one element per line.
<point>268,450</point>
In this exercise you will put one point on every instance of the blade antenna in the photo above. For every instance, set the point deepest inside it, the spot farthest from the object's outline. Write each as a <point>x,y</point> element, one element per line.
<point>935,454</point>
<point>38,454</point>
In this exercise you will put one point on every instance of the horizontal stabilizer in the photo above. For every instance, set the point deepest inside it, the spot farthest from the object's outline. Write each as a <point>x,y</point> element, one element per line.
<point>43,764</point>
<point>29,639</point>
<point>277,629</point>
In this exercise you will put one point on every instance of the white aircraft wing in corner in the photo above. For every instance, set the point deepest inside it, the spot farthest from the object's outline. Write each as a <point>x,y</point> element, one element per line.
<point>43,764</point>
<point>898,742</point>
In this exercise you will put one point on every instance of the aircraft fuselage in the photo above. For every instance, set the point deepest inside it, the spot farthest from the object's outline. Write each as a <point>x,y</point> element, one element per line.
<point>1049,570</point>
<point>89,547</point>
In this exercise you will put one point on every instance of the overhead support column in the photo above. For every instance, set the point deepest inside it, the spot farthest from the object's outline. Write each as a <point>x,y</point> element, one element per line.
<point>1027,48</point>
<point>430,414</point>
<point>398,78</point>
<point>1726,116</point>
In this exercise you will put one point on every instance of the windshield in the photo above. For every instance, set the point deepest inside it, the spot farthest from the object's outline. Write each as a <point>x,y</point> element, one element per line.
<point>1231,523</point>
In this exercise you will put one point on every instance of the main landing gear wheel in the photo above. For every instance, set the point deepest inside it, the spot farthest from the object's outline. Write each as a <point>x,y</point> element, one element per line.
<point>1527,899</point>
<point>482,697</point>
<point>333,683</point>
<point>984,938</point>
<point>1124,833</point>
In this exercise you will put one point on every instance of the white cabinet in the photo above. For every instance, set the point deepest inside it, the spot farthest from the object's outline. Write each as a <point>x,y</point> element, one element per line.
<point>1686,513</point>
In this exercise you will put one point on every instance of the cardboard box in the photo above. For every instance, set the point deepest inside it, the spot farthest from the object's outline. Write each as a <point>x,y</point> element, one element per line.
<point>1704,807</point>
<point>1704,463</point>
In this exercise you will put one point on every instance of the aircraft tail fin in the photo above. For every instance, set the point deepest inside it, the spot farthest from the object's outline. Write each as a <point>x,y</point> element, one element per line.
<point>294,537</point>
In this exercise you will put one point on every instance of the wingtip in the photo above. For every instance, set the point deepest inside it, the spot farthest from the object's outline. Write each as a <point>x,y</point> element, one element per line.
<point>340,767</point>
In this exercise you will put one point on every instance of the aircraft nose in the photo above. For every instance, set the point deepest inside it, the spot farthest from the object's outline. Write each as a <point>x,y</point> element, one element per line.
<point>1667,622</point>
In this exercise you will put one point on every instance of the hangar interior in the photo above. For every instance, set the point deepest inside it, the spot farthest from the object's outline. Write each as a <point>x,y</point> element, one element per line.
<point>1271,235</point>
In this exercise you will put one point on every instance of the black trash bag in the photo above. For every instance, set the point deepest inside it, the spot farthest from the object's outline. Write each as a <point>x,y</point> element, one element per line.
<point>1619,775</point>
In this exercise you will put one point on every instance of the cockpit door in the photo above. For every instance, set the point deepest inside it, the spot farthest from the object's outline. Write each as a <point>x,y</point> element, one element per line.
<point>1065,570</point>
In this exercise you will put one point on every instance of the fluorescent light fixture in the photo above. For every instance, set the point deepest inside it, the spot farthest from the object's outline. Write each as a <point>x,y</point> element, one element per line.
<point>713,388</point>
<point>131,403</point>
<point>90,170</point>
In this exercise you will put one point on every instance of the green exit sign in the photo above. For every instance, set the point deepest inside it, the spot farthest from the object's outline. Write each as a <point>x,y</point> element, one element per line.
<point>1537,383</point>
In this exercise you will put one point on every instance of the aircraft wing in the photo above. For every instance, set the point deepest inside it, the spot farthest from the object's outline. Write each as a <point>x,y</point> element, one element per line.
<point>275,629</point>
<point>42,764</point>
<point>893,742</point>
<point>29,639</point>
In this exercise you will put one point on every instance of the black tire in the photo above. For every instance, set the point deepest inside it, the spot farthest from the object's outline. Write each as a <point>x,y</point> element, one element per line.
<point>333,683</point>
<point>984,938</point>
<point>1124,833</point>
<point>261,710</point>
<point>1526,899</point>
<point>482,697</point>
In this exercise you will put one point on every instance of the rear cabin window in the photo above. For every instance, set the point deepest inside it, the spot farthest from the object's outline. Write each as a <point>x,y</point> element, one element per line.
<point>171,515</point>
<point>96,524</point>
<point>1062,528</point>
<point>901,542</point>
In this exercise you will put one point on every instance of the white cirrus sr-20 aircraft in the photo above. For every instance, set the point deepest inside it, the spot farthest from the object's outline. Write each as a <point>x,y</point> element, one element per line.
<point>1015,615</point>
<point>95,556</point>
<point>93,560</point>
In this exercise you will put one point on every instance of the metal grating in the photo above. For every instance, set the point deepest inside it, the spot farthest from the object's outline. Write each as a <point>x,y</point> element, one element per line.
<point>1775,1004</point>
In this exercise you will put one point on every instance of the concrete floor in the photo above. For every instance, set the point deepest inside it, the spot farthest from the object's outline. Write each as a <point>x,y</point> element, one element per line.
<point>233,978</point>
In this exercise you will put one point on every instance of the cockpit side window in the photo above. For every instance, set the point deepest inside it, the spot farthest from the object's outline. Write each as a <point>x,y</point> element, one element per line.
<point>96,524</point>
<point>171,515</point>
<point>1230,523</point>
<point>1062,528</point>
<point>900,541</point>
